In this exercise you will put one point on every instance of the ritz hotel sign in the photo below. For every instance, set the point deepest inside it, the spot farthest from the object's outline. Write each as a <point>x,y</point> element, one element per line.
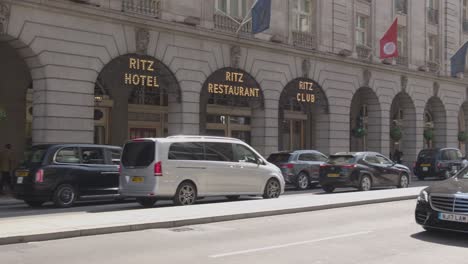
<point>143,73</point>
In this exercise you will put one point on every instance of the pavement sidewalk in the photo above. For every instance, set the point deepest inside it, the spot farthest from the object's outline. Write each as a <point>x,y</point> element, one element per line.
<point>75,224</point>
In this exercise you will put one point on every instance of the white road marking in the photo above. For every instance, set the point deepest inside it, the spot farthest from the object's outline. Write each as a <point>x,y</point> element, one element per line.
<point>242,252</point>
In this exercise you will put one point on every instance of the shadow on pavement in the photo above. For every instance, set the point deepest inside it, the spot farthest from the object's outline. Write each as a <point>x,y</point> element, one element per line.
<point>443,237</point>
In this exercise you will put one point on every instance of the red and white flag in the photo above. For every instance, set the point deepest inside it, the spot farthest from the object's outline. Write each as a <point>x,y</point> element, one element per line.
<point>388,43</point>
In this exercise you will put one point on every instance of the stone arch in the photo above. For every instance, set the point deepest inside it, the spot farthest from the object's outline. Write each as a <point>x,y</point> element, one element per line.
<point>135,88</point>
<point>365,121</point>
<point>403,117</point>
<point>304,120</point>
<point>232,93</point>
<point>435,119</point>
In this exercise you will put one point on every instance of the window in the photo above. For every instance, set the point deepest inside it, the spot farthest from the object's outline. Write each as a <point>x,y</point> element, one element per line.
<point>401,7</point>
<point>92,156</point>
<point>383,160</point>
<point>115,156</point>
<point>138,154</point>
<point>361,30</point>
<point>459,155</point>
<point>452,155</point>
<point>432,48</point>
<point>34,156</point>
<point>68,155</point>
<point>434,4</point>
<point>302,15</point>
<point>402,41</point>
<point>307,157</point>
<point>319,157</point>
<point>234,8</point>
<point>465,15</point>
<point>279,157</point>
<point>445,155</point>
<point>244,154</point>
<point>433,11</point>
<point>339,160</point>
<point>219,151</point>
<point>186,151</point>
<point>372,159</point>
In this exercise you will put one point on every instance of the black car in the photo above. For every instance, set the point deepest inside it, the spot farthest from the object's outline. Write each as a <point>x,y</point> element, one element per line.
<point>362,170</point>
<point>66,173</point>
<point>299,168</point>
<point>443,163</point>
<point>445,205</point>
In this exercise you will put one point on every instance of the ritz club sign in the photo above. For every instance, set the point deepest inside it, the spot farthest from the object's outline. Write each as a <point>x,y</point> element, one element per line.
<point>141,72</point>
<point>302,90</point>
<point>232,82</point>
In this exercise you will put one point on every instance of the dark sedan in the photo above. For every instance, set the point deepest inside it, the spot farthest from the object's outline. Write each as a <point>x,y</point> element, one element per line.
<point>362,170</point>
<point>445,205</point>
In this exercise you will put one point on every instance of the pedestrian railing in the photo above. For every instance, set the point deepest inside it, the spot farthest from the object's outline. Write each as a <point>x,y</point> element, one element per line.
<point>150,8</point>
<point>227,24</point>
<point>303,39</point>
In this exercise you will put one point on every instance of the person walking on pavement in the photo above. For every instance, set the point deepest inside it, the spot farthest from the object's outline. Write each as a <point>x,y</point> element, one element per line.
<point>397,156</point>
<point>6,168</point>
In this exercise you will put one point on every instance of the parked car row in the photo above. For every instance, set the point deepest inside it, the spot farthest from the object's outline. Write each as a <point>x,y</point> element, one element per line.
<point>180,168</point>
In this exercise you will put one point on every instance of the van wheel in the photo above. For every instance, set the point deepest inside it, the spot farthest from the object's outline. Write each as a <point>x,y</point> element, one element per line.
<point>233,197</point>
<point>272,189</point>
<point>146,201</point>
<point>35,204</point>
<point>365,184</point>
<point>404,181</point>
<point>65,196</point>
<point>328,188</point>
<point>302,181</point>
<point>186,194</point>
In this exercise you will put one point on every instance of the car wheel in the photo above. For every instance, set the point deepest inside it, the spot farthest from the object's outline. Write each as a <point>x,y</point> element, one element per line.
<point>272,189</point>
<point>146,202</point>
<point>404,181</point>
<point>65,196</point>
<point>35,203</point>
<point>328,188</point>
<point>365,184</point>
<point>186,194</point>
<point>302,181</point>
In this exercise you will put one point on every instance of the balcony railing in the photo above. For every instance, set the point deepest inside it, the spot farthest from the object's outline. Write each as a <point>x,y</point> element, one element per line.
<point>465,26</point>
<point>303,39</point>
<point>402,60</point>
<point>432,16</point>
<point>433,66</point>
<point>224,23</point>
<point>401,7</point>
<point>363,52</point>
<point>150,8</point>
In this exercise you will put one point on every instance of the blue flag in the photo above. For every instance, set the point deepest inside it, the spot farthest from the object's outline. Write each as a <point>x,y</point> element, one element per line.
<point>458,60</point>
<point>261,14</point>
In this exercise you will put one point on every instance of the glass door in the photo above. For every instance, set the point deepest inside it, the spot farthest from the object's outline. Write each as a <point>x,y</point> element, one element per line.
<point>229,126</point>
<point>293,134</point>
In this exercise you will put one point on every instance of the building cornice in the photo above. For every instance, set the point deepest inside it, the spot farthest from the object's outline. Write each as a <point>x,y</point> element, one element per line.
<point>114,16</point>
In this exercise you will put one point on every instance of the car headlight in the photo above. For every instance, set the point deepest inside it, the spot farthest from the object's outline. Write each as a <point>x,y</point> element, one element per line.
<point>423,196</point>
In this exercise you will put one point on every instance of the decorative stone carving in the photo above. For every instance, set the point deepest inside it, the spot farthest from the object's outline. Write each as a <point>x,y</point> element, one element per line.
<point>366,76</point>
<point>345,53</point>
<point>235,56</point>
<point>305,68</point>
<point>436,88</point>
<point>142,40</point>
<point>404,83</point>
<point>4,16</point>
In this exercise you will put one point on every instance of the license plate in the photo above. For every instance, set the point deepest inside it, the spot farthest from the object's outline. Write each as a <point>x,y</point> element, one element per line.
<point>425,168</point>
<point>333,175</point>
<point>137,179</point>
<point>22,173</point>
<point>453,217</point>
<point>19,180</point>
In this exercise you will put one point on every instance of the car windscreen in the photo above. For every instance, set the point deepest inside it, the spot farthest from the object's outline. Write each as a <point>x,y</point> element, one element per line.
<point>427,154</point>
<point>279,157</point>
<point>342,159</point>
<point>138,154</point>
<point>34,156</point>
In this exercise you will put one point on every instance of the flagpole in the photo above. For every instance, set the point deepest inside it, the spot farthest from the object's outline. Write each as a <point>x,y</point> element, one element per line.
<point>244,20</point>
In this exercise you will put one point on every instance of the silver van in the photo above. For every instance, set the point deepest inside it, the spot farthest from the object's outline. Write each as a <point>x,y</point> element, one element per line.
<point>183,168</point>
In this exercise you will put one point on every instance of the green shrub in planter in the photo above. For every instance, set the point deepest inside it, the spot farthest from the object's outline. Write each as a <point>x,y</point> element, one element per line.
<point>396,134</point>
<point>428,134</point>
<point>359,132</point>
<point>462,136</point>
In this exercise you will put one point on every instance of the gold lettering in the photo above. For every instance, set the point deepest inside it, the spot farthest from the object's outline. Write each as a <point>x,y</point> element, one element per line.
<point>143,80</point>
<point>210,88</point>
<point>236,90</point>
<point>143,64</point>
<point>241,75</point>
<point>298,97</point>
<point>132,63</point>
<point>128,78</point>
<point>135,79</point>
<point>155,81</point>
<point>241,91</point>
<point>228,76</point>
<point>150,67</point>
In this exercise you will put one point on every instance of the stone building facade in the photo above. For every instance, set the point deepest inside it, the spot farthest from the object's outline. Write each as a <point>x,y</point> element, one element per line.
<point>107,70</point>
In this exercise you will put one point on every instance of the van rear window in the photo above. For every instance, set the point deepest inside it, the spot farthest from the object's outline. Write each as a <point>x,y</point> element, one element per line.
<point>34,155</point>
<point>138,154</point>
<point>279,157</point>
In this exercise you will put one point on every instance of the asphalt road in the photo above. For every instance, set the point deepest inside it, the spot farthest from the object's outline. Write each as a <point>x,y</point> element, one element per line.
<point>379,233</point>
<point>15,208</point>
